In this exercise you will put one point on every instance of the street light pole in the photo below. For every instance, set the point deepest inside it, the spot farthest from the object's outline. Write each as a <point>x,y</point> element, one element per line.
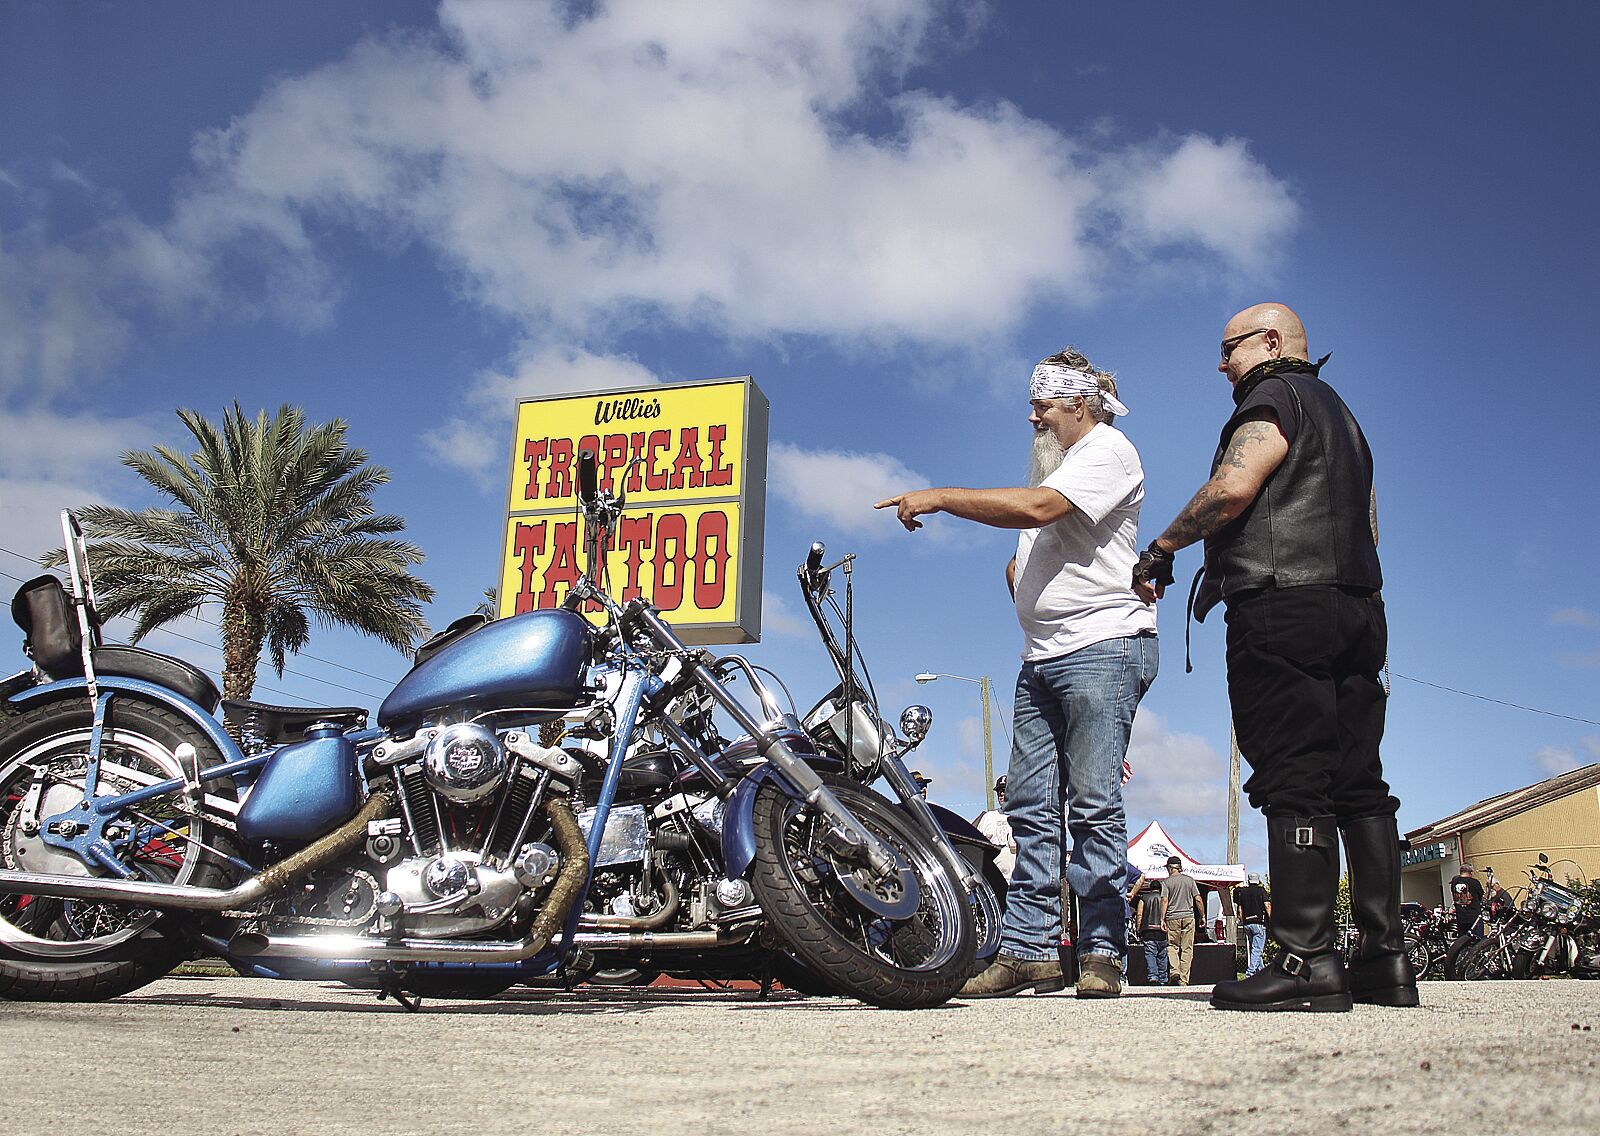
<point>988,744</point>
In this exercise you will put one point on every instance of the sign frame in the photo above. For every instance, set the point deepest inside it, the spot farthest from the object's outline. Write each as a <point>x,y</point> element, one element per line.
<point>750,502</point>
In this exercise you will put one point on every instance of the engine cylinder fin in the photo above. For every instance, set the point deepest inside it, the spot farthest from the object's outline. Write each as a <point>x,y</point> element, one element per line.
<point>416,802</point>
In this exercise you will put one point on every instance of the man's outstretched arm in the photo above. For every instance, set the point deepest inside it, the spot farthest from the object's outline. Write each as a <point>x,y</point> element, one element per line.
<point>1001,508</point>
<point>1256,449</point>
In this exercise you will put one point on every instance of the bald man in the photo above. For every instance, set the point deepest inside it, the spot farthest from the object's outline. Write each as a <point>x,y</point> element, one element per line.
<point>1291,548</point>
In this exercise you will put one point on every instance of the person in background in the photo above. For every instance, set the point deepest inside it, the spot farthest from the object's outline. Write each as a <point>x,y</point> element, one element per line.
<point>996,828</point>
<point>1254,910</point>
<point>1152,935</point>
<point>1182,910</point>
<point>1467,893</point>
<point>922,783</point>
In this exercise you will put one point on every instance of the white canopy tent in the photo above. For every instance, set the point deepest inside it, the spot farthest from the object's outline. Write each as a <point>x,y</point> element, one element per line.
<point>1149,851</point>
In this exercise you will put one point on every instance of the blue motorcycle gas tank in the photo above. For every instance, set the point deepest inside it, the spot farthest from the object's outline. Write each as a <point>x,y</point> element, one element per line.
<point>305,790</point>
<point>531,660</point>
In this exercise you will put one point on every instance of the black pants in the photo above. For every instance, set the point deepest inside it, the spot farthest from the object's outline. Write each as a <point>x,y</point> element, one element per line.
<point>1308,704</point>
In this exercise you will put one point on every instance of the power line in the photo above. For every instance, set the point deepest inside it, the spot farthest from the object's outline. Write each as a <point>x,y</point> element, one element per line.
<point>1497,701</point>
<point>298,654</point>
<point>212,646</point>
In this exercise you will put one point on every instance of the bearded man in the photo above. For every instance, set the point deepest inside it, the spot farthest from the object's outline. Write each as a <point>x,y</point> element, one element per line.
<point>1089,654</point>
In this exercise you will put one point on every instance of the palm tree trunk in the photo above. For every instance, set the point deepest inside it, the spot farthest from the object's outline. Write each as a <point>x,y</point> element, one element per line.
<point>243,632</point>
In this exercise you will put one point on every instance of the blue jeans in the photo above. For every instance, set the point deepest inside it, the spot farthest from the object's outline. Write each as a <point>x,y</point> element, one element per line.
<point>1155,962</point>
<point>1072,720</point>
<point>1256,935</point>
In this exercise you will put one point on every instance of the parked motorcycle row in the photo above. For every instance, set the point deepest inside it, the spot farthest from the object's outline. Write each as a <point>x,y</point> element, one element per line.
<point>1552,930</point>
<point>541,796</point>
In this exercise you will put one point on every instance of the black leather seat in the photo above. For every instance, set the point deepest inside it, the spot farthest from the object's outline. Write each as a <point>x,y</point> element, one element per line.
<point>278,724</point>
<point>163,670</point>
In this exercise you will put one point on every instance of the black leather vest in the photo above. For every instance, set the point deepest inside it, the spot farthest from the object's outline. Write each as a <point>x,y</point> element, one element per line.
<point>1311,522</point>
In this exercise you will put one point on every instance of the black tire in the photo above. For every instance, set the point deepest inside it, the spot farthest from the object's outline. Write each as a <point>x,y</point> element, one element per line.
<point>911,963</point>
<point>139,946</point>
<point>1480,961</point>
<point>799,978</point>
<point>1417,953</point>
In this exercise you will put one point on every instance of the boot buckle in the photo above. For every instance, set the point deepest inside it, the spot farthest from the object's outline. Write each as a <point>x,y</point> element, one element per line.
<point>1293,965</point>
<point>1305,836</point>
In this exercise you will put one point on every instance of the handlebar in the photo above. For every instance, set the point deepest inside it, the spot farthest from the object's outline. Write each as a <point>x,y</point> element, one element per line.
<point>588,479</point>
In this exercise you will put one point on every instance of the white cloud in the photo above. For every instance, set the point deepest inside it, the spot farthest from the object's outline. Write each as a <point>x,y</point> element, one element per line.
<point>1575,617</point>
<point>1553,760</point>
<point>463,442</point>
<point>698,164</point>
<point>1202,193</point>
<point>50,462</point>
<point>778,617</point>
<point>1178,779</point>
<point>839,488</point>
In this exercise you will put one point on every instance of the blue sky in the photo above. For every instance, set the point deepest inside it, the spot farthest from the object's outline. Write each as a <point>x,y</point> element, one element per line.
<point>409,215</point>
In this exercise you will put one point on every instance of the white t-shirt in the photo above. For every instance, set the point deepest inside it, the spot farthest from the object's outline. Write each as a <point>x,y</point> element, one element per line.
<point>996,826</point>
<point>1074,577</point>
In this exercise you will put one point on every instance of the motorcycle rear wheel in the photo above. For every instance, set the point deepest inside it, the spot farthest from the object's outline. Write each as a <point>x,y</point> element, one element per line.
<point>54,950</point>
<point>1482,960</point>
<point>911,963</point>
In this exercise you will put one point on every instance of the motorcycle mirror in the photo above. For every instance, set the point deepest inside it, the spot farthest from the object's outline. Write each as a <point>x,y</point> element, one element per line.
<point>1544,858</point>
<point>915,722</point>
<point>588,481</point>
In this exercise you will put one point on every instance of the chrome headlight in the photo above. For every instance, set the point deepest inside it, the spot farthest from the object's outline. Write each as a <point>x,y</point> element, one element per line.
<point>915,722</point>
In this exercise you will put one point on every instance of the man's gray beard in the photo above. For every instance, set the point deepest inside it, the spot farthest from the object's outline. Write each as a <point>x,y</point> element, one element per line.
<point>1047,455</point>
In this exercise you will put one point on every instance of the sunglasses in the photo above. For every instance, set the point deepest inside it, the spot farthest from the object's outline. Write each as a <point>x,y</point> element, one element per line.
<point>1233,341</point>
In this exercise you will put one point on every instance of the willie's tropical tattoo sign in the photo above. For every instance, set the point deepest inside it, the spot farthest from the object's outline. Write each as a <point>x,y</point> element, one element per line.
<point>692,460</point>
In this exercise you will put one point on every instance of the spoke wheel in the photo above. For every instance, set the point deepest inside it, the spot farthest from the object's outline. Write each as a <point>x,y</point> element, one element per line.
<point>917,961</point>
<point>77,950</point>
<point>1485,959</point>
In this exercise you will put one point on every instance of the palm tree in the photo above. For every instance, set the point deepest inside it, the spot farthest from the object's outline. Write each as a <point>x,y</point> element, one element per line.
<point>275,522</point>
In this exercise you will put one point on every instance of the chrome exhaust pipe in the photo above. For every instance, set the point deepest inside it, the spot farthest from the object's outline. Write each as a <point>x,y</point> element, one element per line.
<point>662,940</point>
<point>140,893</point>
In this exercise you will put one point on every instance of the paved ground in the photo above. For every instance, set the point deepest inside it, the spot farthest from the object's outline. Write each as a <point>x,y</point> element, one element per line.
<point>249,1056</point>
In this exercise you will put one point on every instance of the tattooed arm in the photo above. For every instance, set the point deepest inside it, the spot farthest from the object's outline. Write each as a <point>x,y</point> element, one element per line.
<point>1256,449</point>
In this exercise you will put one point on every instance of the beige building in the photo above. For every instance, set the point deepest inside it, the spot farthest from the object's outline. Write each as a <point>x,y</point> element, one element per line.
<point>1504,835</point>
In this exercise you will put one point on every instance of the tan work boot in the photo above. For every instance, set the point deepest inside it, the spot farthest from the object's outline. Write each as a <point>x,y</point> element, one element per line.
<point>1099,976</point>
<point>1006,976</point>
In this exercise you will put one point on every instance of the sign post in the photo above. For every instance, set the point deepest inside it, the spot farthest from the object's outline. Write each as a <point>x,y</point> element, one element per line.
<point>692,461</point>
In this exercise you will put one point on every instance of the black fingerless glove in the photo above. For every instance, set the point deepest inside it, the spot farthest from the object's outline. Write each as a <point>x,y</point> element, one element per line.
<point>1154,566</point>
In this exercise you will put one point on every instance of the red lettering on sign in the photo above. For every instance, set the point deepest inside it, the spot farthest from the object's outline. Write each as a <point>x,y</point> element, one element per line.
<point>710,570</point>
<point>615,458</point>
<point>686,467</point>
<point>718,474</point>
<point>533,452</point>
<point>633,537</point>
<point>559,483</point>
<point>655,480</point>
<point>636,474</point>
<point>563,571</point>
<point>528,543</point>
<point>672,555</point>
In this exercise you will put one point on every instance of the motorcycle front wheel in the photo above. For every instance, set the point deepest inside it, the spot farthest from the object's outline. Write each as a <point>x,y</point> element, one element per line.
<point>67,950</point>
<point>910,963</point>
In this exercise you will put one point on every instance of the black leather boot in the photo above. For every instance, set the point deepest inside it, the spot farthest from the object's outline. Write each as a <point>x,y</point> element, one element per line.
<point>1382,974</point>
<point>1307,973</point>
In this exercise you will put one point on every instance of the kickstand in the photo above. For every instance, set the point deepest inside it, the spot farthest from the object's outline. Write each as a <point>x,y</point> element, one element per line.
<point>412,1005</point>
<point>766,983</point>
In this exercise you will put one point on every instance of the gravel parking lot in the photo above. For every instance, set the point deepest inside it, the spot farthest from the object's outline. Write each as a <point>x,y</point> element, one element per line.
<point>234,1055</point>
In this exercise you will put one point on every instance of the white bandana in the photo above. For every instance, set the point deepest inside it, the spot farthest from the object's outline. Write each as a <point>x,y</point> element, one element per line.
<point>1052,380</point>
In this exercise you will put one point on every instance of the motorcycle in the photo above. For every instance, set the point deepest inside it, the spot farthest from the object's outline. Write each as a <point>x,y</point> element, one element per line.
<point>491,827</point>
<point>849,737</point>
<point>1554,930</point>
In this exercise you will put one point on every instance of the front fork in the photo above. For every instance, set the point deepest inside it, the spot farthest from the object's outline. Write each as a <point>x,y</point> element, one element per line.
<point>845,835</point>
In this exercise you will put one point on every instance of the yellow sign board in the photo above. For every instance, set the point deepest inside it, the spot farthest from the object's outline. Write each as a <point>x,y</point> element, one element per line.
<point>691,461</point>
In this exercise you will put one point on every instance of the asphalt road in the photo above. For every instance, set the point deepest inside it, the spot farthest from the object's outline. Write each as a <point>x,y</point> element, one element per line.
<point>233,1055</point>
